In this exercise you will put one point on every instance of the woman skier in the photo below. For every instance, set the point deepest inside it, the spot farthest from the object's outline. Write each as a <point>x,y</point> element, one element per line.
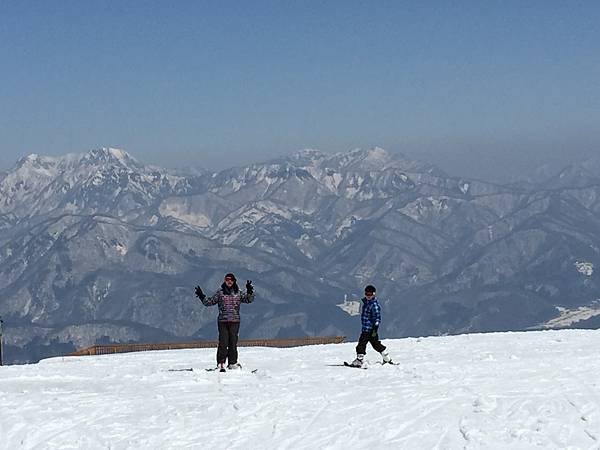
<point>228,297</point>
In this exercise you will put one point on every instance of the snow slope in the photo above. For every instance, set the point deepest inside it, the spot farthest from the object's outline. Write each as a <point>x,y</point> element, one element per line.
<point>502,390</point>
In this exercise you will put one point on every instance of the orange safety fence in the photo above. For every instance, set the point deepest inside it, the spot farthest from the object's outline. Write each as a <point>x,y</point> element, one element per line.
<point>125,348</point>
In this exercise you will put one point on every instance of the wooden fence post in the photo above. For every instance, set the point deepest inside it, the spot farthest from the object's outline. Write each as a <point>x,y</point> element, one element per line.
<point>1,323</point>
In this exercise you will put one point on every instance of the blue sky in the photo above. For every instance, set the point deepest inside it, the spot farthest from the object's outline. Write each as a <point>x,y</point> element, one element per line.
<point>217,84</point>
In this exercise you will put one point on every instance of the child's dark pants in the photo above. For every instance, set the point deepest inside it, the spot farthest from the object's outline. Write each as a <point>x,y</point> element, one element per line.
<point>366,337</point>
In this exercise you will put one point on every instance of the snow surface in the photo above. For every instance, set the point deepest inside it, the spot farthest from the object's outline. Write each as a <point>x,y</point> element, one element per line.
<point>586,268</point>
<point>502,390</point>
<point>568,317</point>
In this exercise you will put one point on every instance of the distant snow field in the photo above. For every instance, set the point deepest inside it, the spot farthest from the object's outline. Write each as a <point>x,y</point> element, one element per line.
<point>586,268</point>
<point>502,390</point>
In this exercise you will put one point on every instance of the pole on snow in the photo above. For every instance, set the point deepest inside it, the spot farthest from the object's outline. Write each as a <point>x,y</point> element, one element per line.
<point>1,322</point>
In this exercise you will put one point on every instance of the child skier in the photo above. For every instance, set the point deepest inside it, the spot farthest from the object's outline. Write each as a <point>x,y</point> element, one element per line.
<point>228,297</point>
<point>370,319</point>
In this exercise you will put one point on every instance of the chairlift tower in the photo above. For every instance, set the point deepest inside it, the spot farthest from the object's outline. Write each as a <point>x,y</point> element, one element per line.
<point>1,322</point>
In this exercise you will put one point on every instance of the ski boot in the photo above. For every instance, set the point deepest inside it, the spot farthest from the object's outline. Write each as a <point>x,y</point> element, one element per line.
<point>358,362</point>
<point>221,367</point>
<point>387,359</point>
<point>234,366</point>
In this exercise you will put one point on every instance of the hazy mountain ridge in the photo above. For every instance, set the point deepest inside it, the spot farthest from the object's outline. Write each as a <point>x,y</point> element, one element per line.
<point>90,240</point>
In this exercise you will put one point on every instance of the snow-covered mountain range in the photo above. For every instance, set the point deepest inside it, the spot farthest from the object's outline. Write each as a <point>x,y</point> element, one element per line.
<point>99,247</point>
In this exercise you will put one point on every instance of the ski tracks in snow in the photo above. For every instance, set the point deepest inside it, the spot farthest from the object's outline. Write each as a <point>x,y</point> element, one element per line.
<point>505,390</point>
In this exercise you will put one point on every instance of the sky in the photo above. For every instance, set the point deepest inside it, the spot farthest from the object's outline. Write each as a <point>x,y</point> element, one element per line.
<point>477,88</point>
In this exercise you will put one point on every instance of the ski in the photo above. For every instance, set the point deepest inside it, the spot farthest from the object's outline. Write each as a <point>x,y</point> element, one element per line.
<point>215,369</point>
<point>188,369</point>
<point>347,364</point>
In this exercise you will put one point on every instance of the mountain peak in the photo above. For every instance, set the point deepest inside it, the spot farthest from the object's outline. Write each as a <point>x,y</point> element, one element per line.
<point>377,154</point>
<point>32,158</point>
<point>36,162</point>
<point>307,157</point>
<point>364,159</point>
<point>309,153</point>
<point>110,155</point>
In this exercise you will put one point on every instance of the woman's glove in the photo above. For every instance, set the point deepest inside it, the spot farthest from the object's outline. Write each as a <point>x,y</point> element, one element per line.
<point>374,330</point>
<point>249,287</point>
<point>199,293</point>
